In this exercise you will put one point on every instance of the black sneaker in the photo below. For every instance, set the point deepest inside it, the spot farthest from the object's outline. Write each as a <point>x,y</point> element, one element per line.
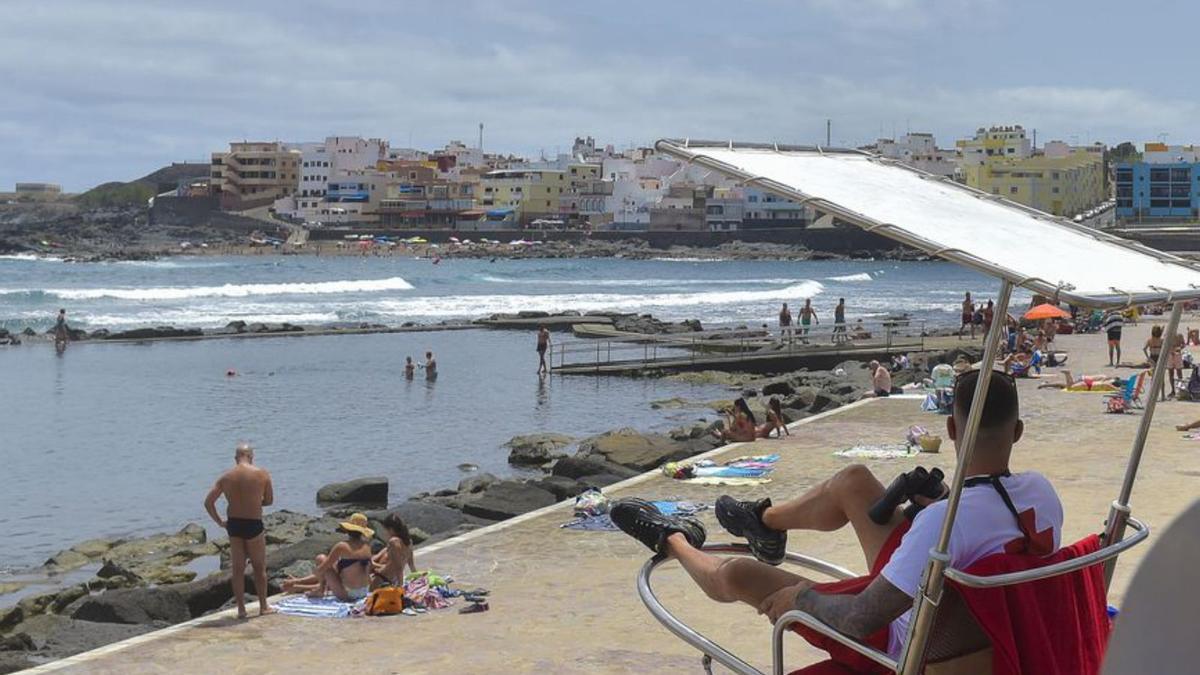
<point>643,521</point>
<point>744,519</point>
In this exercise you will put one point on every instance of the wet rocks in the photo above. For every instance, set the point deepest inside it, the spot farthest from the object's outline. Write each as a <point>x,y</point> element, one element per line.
<point>156,333</point>
<point>373,490</point>
<point>536,449</point>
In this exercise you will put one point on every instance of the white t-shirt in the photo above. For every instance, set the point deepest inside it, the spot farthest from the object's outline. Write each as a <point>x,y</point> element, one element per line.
<point>984,526</point>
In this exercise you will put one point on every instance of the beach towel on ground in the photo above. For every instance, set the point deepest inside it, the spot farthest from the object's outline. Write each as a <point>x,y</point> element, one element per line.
<point>325,608</point>
<point>757,466</point>
<point>879,451</point>
<point>602,523</point>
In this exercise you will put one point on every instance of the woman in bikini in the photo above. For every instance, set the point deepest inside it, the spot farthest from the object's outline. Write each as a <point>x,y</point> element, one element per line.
<point>345,570</point>
<point>1153,351</point>
<point>1085,383</point>
<point>740,425</point>
<point>387,567</point>
<point>774,421</point>
<point>1175,362</point>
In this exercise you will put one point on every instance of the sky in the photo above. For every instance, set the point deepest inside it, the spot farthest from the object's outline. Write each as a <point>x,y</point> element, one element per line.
<point>93,91</point>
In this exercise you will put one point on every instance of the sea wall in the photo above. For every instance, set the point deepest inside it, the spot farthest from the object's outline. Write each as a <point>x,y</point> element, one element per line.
<point>837,240</point>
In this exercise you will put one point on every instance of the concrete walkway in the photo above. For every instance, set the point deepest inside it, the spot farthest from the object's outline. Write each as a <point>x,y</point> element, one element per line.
<point>564,601</point>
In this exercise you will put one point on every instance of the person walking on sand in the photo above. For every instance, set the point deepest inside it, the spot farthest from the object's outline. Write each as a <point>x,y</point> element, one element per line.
<point>430,367</point>
<point>785,324</point>
<point>543,343</point>
<point>247,489</point>
<point>1113,322</point>
<point>968,316</point>
<point>410,368</point>
<point>808,316</point>
<point>839,322</point>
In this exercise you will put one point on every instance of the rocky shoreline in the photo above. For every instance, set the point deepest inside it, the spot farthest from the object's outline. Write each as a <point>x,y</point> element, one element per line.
<point>645,324</point>
<point>141,584</point>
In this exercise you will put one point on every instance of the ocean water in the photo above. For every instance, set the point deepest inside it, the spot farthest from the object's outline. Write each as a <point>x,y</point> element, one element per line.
<point>211,291</point>
<point>117,439</point>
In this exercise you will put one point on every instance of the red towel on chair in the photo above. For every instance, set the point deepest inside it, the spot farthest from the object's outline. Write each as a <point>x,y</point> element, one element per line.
<point>1045,627</point>
<point>846,661</point>
<point>1060,623</point>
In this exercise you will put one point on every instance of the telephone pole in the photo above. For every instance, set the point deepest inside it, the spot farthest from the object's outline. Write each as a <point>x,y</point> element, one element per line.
<point>828,131</point>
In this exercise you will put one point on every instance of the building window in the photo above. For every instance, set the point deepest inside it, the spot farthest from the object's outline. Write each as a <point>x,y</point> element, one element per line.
<point>1012,190</point>
<point>1054,190</point>
<point>1011,150</point>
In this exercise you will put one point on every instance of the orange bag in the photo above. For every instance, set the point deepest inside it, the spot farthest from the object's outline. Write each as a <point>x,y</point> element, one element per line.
<point>384,601</point>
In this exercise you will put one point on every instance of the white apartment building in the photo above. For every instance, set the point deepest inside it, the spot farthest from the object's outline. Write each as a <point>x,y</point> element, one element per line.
<point>321,162</point>
<point>918,150</point>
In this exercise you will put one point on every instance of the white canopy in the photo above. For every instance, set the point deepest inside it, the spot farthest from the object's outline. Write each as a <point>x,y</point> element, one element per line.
<point>1036,250</point>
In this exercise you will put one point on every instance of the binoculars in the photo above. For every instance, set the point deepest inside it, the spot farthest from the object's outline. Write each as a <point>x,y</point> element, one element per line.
<point>904,488</point>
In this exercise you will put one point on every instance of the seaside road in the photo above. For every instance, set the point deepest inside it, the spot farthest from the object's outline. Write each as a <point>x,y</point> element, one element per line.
<point>564,601</point>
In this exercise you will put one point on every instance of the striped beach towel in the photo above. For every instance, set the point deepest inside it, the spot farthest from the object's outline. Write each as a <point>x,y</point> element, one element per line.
<point>326,608</point>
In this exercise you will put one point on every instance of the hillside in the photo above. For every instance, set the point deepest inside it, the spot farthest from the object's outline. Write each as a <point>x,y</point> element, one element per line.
<point>137,192</point>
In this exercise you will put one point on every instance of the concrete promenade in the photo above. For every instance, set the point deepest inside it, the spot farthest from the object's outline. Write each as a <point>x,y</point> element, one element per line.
<point>564,601</point>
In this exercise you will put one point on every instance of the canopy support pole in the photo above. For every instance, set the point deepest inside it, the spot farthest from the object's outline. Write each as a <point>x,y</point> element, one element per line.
<point>1118,513</point>
<point>929,593</point>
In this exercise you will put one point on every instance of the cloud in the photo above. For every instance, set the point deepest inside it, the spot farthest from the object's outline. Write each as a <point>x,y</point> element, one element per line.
<point>102,91</point>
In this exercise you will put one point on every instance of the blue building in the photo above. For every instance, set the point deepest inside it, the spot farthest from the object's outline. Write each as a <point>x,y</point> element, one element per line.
<point>1147,191</point>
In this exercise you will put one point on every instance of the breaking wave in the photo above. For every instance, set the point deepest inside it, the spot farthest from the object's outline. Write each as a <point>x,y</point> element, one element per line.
<point>225,291</point>
<point>861,276</point>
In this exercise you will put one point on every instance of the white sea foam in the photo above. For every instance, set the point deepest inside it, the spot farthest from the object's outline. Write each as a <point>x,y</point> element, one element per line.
<point>683,303</point>
<point>861,276</point>
<point>30,257</point>
<point>640,282</point>
<point>230,290</point>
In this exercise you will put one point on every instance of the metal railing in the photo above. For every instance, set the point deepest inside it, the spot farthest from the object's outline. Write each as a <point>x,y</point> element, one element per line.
<point>737,344</point>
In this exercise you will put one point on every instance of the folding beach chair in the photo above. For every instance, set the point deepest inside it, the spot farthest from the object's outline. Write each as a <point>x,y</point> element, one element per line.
<point>1130,396</point>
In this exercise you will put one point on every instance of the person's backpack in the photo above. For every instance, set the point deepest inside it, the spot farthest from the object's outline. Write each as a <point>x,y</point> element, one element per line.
<point>385,600</point>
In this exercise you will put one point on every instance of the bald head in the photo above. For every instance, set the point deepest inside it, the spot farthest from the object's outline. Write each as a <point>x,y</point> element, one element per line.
<point>244,452</point>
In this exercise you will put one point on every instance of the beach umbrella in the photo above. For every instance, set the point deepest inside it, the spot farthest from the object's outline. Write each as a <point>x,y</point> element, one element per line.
<point>1047,311</point>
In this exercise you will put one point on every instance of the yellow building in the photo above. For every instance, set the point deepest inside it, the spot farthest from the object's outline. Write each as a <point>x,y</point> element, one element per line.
<point>254,174</point>
<point>1063,186</point>
<point>528,193</point>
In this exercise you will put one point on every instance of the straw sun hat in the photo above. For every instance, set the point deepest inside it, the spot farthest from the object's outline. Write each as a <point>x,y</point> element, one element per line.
<point>357,523</point>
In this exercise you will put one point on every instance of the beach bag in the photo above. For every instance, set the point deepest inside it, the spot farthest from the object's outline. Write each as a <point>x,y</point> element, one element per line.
<point>384,601</point>
<point>591,503</point>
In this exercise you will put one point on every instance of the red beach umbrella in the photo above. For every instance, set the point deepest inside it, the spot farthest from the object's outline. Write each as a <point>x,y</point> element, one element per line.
<point>1047,311</point>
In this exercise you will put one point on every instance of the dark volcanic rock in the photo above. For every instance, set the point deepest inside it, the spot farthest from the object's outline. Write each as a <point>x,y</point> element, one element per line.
<point>133,605</point>
<point>58,637</point>
<point>560,486</point>
<point>600,480</point>
<point>536,449</point>
<point>432,518</point>
<point>476,483</point>
<point>11,662</point>
<point>631,448</point>
<point>507,499</point>
<point>155,333</point>
<point>372,490</point>
<point>578,466</point>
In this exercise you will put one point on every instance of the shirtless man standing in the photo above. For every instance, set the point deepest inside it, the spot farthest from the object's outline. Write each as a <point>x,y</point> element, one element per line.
<point>247,489</point>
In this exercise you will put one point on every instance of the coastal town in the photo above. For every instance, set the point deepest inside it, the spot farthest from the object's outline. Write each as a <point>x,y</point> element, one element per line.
<point>369,183</point>
<point>824,337</point>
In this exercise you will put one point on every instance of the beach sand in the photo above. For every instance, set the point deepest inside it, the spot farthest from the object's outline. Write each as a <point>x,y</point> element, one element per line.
<point>564,601</point>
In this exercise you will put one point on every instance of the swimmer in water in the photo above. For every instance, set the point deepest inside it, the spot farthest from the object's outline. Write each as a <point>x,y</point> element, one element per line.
<point>410,368</point>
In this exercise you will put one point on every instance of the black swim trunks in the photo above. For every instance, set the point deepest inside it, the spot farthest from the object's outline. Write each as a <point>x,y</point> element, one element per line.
<point>243,528</point>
